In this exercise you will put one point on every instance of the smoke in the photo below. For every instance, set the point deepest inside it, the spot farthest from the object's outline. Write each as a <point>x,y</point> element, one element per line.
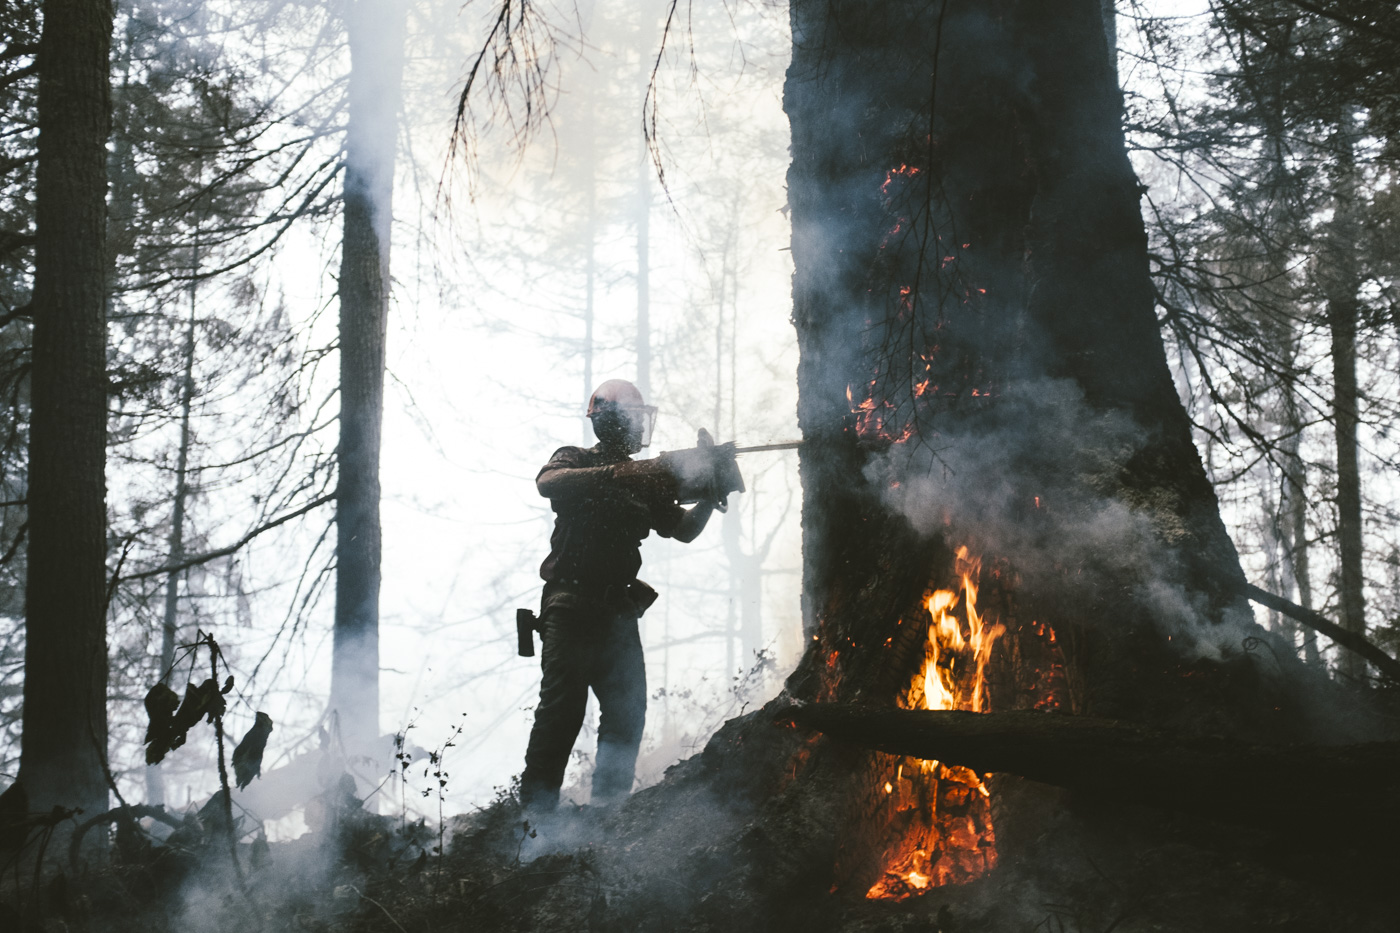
<point>1037,479</point>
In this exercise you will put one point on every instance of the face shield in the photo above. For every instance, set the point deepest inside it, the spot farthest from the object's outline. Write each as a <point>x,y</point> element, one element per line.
<point>626,426</point>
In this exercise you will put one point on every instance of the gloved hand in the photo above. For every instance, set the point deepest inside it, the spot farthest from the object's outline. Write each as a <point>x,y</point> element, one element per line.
<point>706,472</point>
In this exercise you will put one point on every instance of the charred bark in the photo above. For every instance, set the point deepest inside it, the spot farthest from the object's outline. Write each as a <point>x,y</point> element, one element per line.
<point>1254,785</point>
<point>65,684</point>
<point>972,300</point>
<point>376,29</point>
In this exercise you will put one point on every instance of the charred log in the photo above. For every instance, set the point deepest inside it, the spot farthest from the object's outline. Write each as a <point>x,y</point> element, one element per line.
<point>1252,785</point>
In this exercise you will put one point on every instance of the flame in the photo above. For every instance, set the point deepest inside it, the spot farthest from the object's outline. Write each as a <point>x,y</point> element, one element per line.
<point>950,838</point>
<point>944,687</point>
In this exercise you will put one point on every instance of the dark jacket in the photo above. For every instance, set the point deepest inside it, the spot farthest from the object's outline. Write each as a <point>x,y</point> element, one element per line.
<point>600,519</point>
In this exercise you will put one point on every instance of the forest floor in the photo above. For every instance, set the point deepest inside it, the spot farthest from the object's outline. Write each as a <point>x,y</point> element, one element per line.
<point>697,853</point>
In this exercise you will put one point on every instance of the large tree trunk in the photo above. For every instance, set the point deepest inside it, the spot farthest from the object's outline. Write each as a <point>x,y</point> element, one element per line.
<point>376,30</point>
<point>978,282</point>
<point>65,684</point>
<point>981,367</point>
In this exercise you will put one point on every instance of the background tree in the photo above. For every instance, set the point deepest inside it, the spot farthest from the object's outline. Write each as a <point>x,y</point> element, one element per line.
<point>65,687</point>
<point>18,88</point>
<point>374,29</point>
<point>1283,163</point>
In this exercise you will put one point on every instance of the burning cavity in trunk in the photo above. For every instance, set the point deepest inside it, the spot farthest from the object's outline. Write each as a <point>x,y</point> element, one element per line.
<point>938,817</point>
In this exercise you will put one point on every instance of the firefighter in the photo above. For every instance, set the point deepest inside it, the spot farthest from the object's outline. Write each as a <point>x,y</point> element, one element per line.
<point>605,503</point>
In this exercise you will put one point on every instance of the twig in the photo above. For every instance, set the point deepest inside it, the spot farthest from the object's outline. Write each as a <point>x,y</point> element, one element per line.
<point>382,908</point>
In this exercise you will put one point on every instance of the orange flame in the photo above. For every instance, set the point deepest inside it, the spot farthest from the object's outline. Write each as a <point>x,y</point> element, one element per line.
<point>951,838</point>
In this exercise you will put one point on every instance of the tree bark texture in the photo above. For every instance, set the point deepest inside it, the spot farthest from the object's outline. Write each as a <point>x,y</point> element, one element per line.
<point>376,30</point>
<point>64,740</point>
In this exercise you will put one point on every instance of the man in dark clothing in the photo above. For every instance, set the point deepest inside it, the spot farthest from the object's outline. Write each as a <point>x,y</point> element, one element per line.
<point>605,503</point>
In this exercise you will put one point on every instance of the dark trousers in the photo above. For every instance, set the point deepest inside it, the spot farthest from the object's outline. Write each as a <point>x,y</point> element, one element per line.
<point>586,646</point>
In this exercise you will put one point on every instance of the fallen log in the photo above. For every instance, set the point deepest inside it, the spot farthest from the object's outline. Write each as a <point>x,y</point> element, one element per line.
<point>1344,793</point>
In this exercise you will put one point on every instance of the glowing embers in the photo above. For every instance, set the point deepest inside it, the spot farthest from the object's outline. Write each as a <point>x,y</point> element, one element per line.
<point>941,821</point>
<point>877,420</point>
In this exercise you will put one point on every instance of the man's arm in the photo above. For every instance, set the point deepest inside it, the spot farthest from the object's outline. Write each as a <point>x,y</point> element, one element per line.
<point>561,478</point>
<point>685,525</point>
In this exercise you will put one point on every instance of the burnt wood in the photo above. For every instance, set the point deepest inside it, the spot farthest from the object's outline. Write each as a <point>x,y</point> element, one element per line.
<point>1280,788</point>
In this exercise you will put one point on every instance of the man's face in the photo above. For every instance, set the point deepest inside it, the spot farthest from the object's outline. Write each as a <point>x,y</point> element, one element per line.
<point>623,427</point>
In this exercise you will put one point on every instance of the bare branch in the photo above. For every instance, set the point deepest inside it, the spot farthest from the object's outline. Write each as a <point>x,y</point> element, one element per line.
<point>232,548</point>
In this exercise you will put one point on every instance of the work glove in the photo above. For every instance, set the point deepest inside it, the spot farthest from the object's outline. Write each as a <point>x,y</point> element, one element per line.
<point>706,472</point>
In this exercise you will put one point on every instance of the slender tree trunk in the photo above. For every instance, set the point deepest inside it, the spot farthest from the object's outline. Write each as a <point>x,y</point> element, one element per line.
<point>643,213</point>
<point>1279,224</point>
<point>590,262</point>
<point>1296,506</point>
<point>375,29</point>
<point>1341,283</point>
<point>643,209</point>
<point>170,622</point>
<point>65,685</point>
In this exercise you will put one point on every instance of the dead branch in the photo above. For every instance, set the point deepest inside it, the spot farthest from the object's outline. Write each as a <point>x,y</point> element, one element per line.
<point>236,546</point>
<point>126,812</point>
<point>1322,625</point>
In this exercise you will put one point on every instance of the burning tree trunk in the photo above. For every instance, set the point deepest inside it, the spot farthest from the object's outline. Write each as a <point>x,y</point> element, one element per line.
<point>982,375</point>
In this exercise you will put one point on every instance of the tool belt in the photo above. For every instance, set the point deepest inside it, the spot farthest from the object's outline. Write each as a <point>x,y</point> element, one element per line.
<point>633,598</point>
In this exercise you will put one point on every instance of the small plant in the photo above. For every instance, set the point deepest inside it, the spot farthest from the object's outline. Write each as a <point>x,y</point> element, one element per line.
<point>171,718</point>
<point>436,768</point>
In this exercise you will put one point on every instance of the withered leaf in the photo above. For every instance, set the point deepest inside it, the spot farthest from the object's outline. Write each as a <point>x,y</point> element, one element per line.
<point>167,731</point>
<point>247,757</point>
<point>161,703</point>
<point>202,702</point>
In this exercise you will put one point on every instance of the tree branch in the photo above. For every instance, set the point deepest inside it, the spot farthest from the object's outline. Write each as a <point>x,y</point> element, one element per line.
<point>1321,624</point>
<point>232,548</point>
<point>1360,25</point>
